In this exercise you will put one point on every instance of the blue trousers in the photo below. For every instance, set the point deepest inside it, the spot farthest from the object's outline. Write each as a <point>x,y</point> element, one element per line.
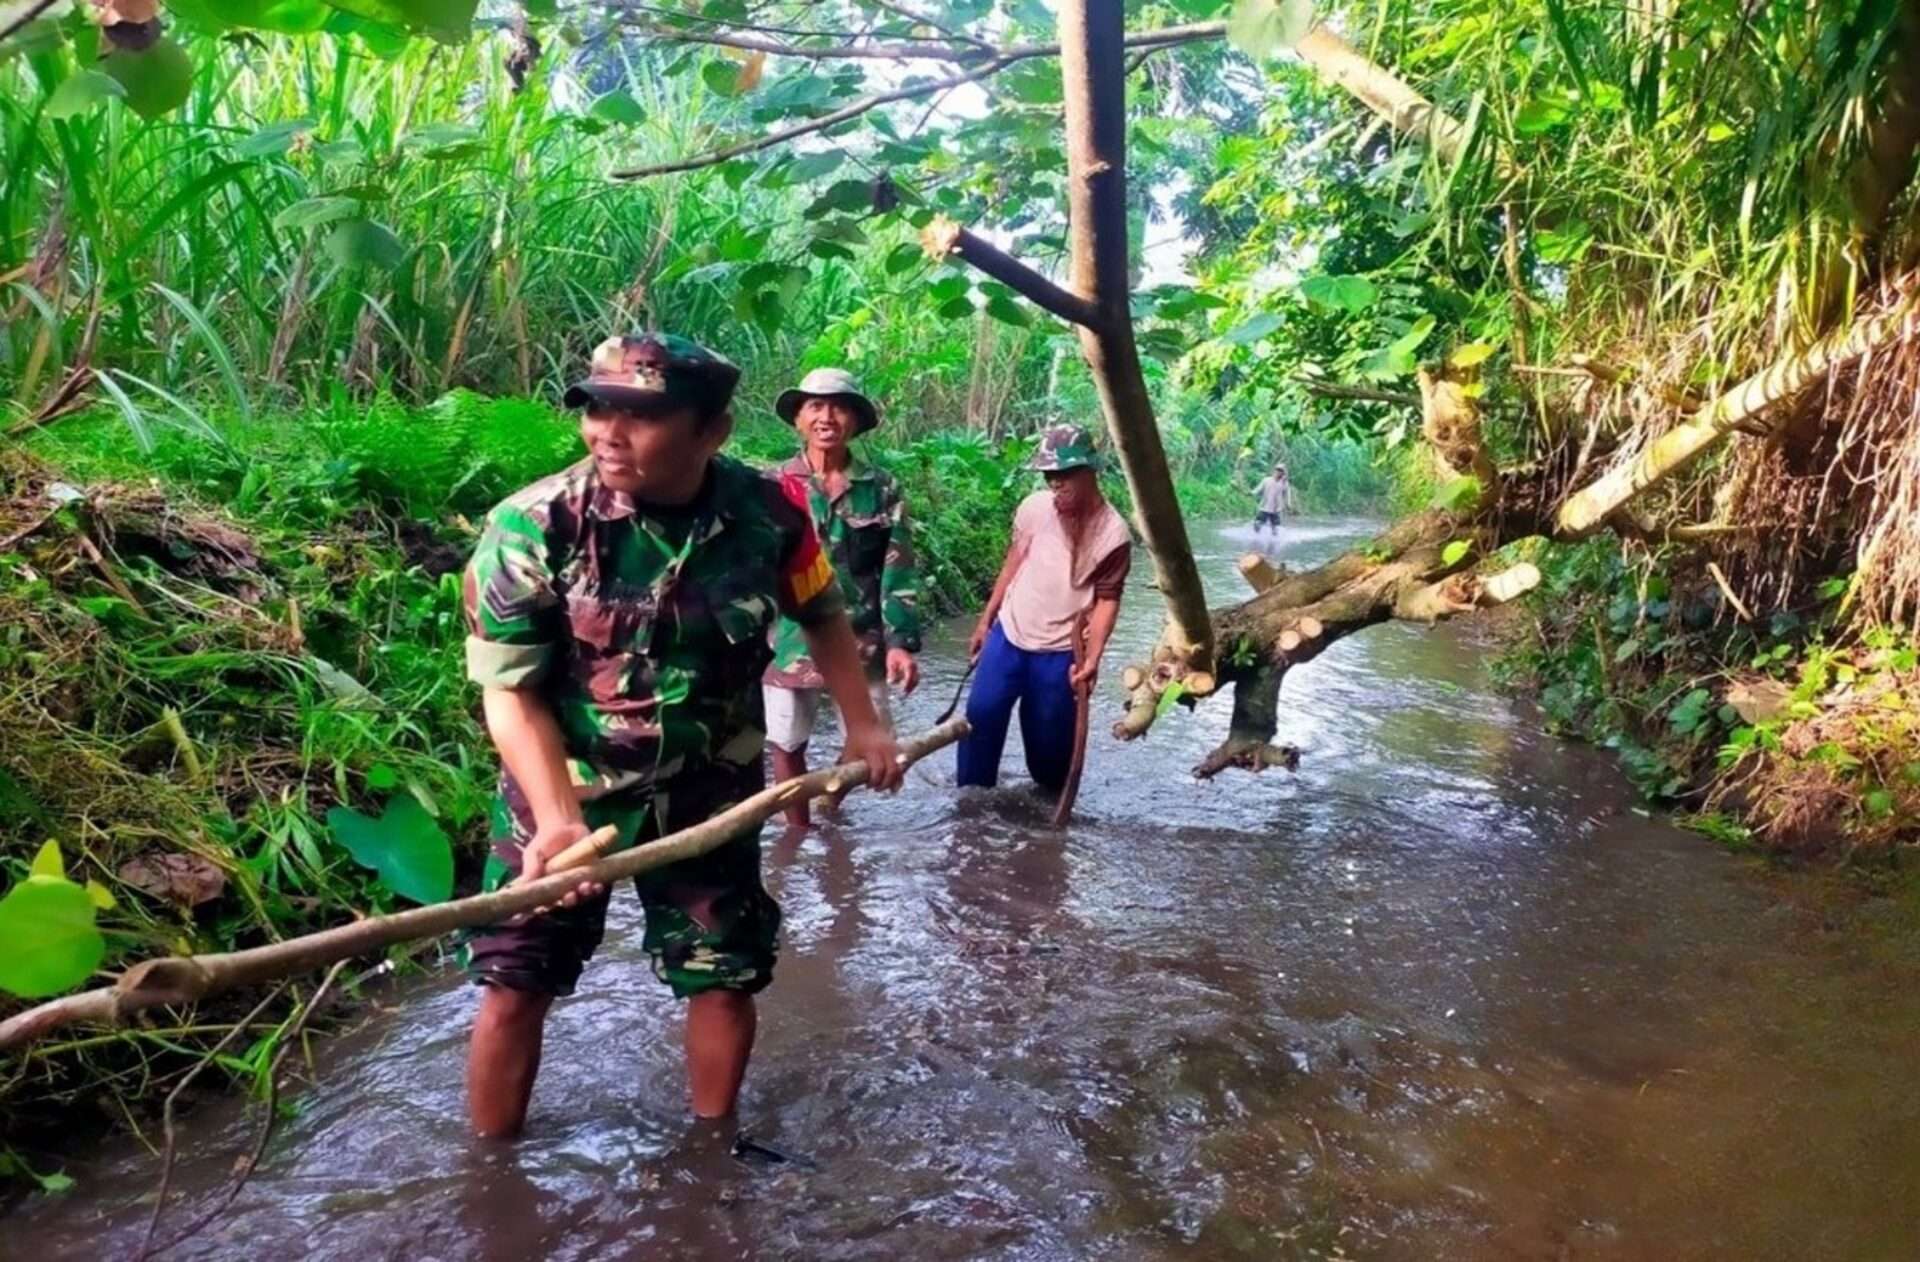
<point>1038,683</point>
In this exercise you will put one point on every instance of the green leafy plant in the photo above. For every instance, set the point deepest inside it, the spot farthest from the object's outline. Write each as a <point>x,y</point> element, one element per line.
<point>48,940</point>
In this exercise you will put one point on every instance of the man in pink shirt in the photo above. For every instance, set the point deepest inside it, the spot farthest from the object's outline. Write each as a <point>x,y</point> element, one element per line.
<point>1070,555</point>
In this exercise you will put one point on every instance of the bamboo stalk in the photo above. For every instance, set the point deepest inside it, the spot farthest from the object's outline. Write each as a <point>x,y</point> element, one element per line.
<point>183,979</point>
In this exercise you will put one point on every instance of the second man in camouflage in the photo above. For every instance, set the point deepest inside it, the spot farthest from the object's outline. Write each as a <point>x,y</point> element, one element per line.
<point>862,521</point>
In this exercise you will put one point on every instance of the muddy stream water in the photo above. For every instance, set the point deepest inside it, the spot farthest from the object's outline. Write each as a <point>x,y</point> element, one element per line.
<point>1442,994</point>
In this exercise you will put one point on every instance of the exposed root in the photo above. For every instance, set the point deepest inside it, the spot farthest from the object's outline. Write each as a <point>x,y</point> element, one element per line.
<point>1248,756</point>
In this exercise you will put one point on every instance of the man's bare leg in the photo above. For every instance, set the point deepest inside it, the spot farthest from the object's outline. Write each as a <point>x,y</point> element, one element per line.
<point>788,763</point>
<point>503,1059</point>
<point>720,1029</point>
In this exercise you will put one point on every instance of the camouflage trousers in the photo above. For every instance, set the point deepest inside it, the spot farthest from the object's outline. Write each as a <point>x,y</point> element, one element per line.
<point>711,925</point>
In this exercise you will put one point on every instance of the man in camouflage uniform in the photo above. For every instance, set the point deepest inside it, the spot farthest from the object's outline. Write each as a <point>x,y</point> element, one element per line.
<point>619,613</point>
<point>861,518</point>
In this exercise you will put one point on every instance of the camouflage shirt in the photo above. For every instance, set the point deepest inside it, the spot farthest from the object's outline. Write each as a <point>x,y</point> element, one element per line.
<point>645,629</point>
<point>865,530</point>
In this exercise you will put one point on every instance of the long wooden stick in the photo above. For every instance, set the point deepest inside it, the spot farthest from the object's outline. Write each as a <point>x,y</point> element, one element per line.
<point>1082,703</point>
<point>186,979</point>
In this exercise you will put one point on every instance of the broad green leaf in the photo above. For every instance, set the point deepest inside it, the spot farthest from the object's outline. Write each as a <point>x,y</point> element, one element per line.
<point>1459,495</point>
<point>157,79</point>
<point>618,108</point>
<point>722,75</point>
<point>809,167</point>
<point>956,308</point>
<point>48,942</point>
<point>1252,329</point>
<point>842,196</point>
<point>47,862</point>
<point>358,242</point>
<point>384,40</point>
<point>404,847</point>
<point>449,20</point>
<point>1542,114</point>
<point>382,777</point>
<point>1168,699</point>
<point>1261,28</point>
<point>1471,354</point>
<point>1454,551</point>
<point>339,151</point>
<point>311,212</point>
<point>82,92</point>
<point>948,288</point>
<point>273,140</point>
<point>1006,310</point>
<point>902,257</point>
<point>1352,294</point>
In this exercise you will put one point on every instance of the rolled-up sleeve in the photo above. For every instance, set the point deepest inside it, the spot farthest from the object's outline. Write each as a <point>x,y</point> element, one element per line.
<point>513,612</point>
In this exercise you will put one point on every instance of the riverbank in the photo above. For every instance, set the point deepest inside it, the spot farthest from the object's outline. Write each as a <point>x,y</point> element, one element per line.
<point>1794,733</point>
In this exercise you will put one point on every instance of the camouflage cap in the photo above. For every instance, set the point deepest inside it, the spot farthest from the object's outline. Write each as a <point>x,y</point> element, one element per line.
<point>1064,447</point>
<point>644,372</point>
<point>829,383</point>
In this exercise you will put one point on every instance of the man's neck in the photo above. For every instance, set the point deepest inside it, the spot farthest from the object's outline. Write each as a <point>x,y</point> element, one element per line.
<point>828,460</point>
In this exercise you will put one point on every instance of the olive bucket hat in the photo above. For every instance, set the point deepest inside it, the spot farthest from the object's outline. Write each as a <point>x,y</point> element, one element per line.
<point>1064,447</point>
<point>645,372</point>
<point>829,383</point>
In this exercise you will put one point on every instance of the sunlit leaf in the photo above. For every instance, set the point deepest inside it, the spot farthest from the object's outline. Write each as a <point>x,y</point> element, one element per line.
<point>1352,294</point>
<point>47,862</point>
<point>1471,354</point>
<point>48,941</point>
<point>1454,551</point>
<point>1542,114</point>
<point>404,847</point>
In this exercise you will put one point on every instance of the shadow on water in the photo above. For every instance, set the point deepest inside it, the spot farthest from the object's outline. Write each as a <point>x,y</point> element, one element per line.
<point>1440,995</point>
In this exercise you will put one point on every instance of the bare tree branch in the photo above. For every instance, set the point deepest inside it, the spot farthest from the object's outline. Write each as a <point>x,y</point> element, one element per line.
<point>943,237</point>
<point>917,50</point>
<point>773,139</point>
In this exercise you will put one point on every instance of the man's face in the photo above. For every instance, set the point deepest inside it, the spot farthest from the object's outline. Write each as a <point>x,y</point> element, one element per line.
<point>658,453</point>
<point>1075,491</point>
<point>825,424</point>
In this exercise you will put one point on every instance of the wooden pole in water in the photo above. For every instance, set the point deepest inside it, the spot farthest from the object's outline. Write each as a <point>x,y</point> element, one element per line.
<point>1082,703</point>
<point>188,979</point>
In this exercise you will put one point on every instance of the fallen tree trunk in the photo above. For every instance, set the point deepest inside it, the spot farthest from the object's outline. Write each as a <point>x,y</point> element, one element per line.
<point>1420,569</point>
<point>188,979</point>
<point>1589,509</point>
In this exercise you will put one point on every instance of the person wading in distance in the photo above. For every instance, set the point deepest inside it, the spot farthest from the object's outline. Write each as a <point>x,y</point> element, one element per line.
<point>618,614</point>
<point>1070,555</point>
<point>1274,498</point>
<point>862,520</point>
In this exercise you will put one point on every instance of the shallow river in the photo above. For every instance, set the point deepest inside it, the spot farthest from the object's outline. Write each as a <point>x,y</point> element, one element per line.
<point>1442,994</point>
